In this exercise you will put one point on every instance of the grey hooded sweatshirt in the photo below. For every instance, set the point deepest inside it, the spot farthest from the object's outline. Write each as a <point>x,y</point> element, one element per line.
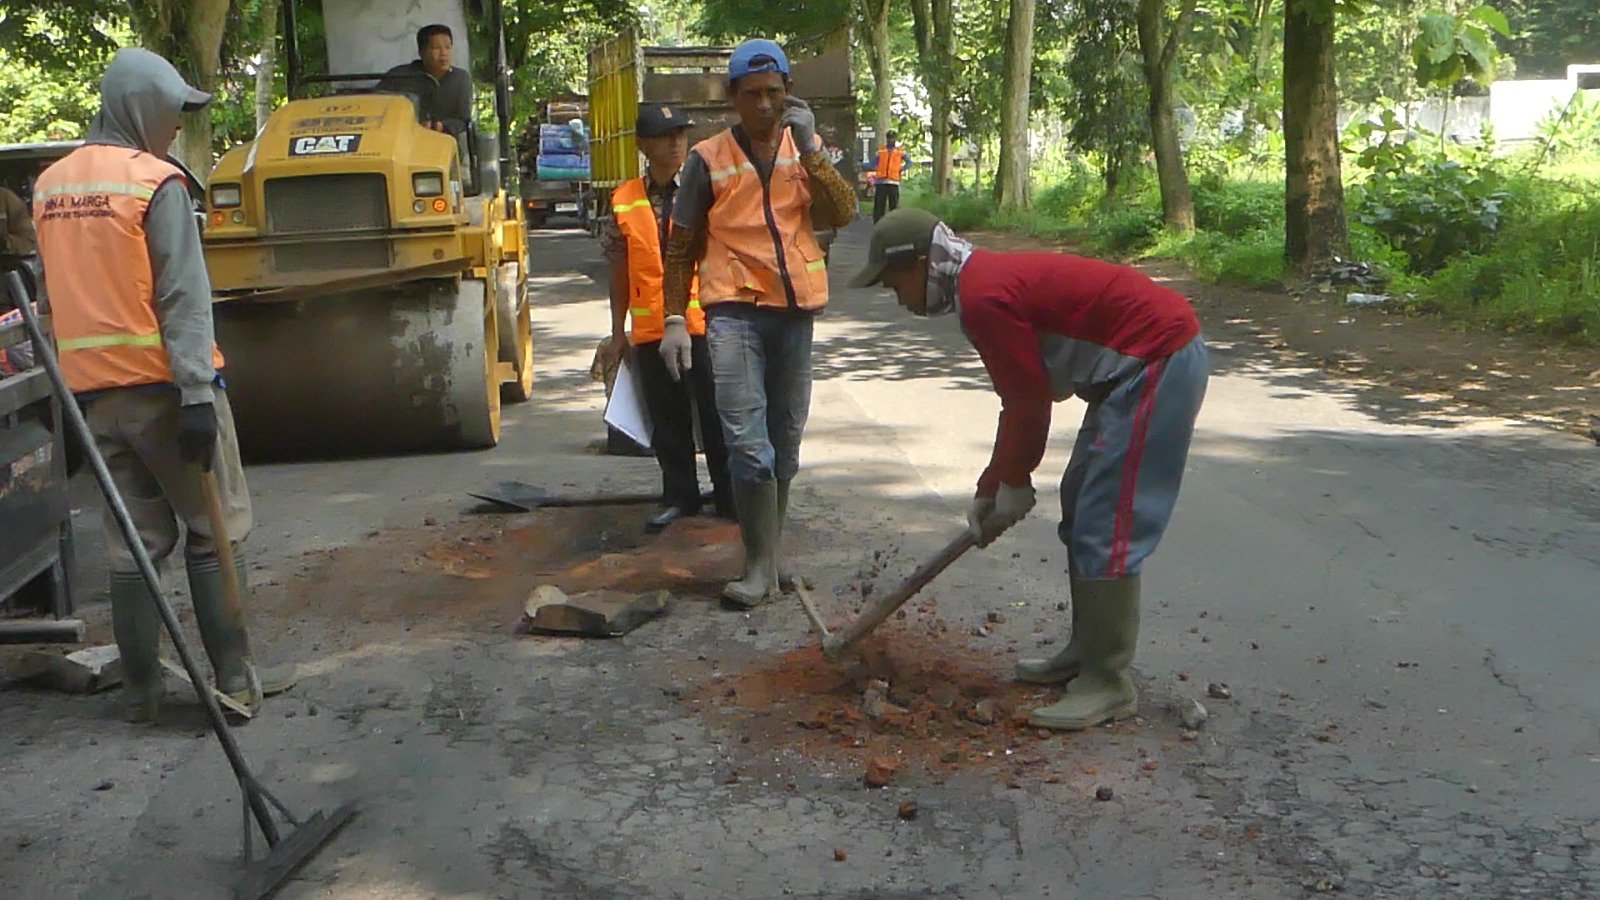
<point>141,97</point>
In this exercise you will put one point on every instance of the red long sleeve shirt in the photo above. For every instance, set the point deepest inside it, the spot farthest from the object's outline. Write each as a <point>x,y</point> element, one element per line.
<point>1051,325</point>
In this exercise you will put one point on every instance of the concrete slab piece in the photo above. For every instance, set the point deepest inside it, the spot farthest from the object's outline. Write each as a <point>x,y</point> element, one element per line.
<point>80,672</point>
<point>593,614</point>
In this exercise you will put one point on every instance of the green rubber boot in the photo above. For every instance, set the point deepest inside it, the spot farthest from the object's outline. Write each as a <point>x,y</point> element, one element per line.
<point>1106,634</point>
<point>226,637</point>
<point>785,574</point>
<point>137,626</point>
<point>757,505</point>
<point>1058,669</point>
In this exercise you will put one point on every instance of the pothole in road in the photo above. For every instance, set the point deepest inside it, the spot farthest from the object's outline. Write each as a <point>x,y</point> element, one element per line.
<point>912,701</point>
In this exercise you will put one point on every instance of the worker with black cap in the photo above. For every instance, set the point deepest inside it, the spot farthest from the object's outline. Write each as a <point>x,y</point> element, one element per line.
<point>635,242</point>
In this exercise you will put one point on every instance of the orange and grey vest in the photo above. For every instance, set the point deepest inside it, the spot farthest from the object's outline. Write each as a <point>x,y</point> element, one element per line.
<point>759,244</point>
<point>89,209</point>
<point>891,161</point>
<point>646,272</point>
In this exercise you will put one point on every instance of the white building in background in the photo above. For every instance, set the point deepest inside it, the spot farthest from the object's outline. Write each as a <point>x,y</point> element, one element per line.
<point>1517,107</point>
<point>1513,109</point>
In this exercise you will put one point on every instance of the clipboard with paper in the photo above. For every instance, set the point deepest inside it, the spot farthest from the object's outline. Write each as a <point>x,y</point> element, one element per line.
<point>625,409</point>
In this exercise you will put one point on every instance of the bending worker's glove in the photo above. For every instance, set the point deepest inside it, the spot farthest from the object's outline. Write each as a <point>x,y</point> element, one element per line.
<point>799,119</point>
<point>676,350</point>
<point>989,517</point>
<point>197,434</point>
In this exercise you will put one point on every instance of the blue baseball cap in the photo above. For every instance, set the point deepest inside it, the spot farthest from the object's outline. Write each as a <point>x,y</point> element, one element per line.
<point>755,56</point>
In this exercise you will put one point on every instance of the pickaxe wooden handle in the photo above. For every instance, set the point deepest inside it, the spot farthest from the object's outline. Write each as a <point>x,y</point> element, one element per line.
<point>233,603</point>
<point>835,644</point>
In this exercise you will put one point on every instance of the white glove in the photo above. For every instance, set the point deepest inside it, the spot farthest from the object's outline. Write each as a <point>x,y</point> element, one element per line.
<point>989,517</point>
<point>799,119</point>
<point>676,350</point>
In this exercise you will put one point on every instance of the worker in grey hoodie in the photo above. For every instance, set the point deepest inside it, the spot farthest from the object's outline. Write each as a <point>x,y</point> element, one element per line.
<point>131,308</point>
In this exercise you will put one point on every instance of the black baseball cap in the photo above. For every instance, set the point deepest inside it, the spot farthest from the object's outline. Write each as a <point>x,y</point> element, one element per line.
<point>657,119</point>
<point>904,233</point>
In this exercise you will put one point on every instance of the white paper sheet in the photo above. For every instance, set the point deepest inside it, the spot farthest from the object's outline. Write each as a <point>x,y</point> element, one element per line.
<point>625,411</point>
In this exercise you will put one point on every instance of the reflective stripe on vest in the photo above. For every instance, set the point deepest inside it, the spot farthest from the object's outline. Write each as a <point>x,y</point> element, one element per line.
<point>636,219</point>
<point>747,260</point>
<point>89,211</point>
<point>890,163</point>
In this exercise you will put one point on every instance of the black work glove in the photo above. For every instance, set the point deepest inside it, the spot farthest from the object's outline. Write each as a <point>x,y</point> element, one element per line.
<point>197,434</point>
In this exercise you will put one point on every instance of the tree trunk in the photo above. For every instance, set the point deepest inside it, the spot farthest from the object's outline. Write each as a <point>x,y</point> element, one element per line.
<point>944,47</point>
<point>267,62</point>
<point>936,59</point>
<point>1261,47</point>
<point>1177,206</point>
<point>1014,187</point>
<point>189,34</point>
<point>1315,227</point>
<point>876,13</point>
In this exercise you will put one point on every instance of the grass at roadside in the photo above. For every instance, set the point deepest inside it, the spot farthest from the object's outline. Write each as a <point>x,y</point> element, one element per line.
<point>1536,270</point>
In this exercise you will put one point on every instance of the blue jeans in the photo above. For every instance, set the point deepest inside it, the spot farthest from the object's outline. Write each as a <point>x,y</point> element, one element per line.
<point>761,361</point>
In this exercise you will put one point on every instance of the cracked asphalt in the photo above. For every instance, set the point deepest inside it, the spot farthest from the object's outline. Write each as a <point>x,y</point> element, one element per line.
<point>1405,616</point>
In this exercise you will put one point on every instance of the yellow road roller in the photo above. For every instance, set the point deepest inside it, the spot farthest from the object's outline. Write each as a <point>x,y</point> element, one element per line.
<point>370,294</point>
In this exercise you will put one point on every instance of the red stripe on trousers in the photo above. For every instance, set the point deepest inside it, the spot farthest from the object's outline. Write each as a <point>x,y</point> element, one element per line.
<point>1123,532</point>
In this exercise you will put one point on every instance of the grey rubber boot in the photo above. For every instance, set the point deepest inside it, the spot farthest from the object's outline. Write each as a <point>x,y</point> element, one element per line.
<point>785,574</point>
<point>1058,669</point>
<point>1106,636</point>
<point>757,504</point>
<point>137,626</point>
<point>226,637</point>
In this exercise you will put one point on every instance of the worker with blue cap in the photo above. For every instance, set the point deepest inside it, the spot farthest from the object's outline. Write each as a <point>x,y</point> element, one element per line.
<point>749,199</point>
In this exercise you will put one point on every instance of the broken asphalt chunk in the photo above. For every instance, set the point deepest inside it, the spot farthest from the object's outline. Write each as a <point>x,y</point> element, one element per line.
<point>603,613</point>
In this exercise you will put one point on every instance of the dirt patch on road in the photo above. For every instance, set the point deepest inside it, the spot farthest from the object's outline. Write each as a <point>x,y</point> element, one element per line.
<point>912,701</point>
<point>1403,368</point>
<point>474,573</point>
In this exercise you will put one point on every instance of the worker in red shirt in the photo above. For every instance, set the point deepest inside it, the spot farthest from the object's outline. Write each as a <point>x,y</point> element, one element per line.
<point>1050,326</point>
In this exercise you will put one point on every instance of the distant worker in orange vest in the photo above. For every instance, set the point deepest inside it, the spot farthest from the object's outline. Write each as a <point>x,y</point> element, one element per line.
<point>635,242</point>
<point>744,215</point>
<point>892,164</point>
<point>131,304</point>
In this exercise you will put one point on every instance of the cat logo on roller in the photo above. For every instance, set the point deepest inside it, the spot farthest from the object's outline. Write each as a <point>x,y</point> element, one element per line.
<point>325,145</point>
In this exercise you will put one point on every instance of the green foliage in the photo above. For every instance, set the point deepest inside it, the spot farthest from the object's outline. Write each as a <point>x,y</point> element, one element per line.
<point>1572,129</point>
<point>1541,275</point>
<point>50,67</point>
<point>962,210</point>
<point>42,108</point>
<point>1428,206</point>
<point>1450,48</point>
<point>1237,207</point>
<point>59,37</point>
<point>736,20</point>
<point>1126,230</point>
<point>1107,106</point>
<point>547,48</point>
<point>1551,34</point>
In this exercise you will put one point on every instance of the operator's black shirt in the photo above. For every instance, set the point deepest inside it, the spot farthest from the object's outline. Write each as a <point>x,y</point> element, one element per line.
<point>446,100</point>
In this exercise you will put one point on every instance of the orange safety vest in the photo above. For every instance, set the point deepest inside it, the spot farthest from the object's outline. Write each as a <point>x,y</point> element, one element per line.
<point>89,211</point>
<point>891,160</point>
<point>646,274</point>
<point>749,259</point>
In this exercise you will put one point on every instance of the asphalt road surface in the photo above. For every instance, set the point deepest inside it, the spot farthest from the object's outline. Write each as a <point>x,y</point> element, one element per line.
<point>1405,616</point>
